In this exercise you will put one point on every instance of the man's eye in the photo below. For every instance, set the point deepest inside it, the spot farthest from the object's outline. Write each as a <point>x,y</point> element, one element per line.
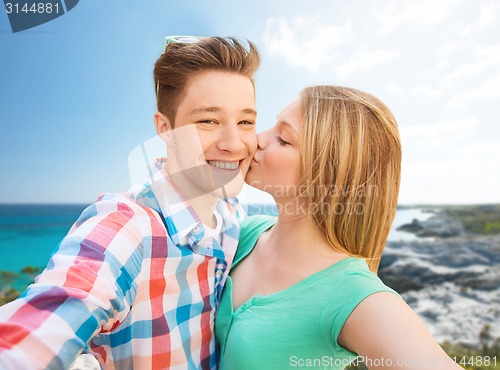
<point>246,123</point>
<point>207,121</point>
<point>282,142</point>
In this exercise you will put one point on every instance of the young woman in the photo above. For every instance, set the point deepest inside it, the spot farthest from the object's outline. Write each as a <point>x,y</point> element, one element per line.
<point>303,290</point>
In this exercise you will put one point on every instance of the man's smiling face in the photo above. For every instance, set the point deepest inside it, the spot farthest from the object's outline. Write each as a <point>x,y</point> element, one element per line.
<point>213,138</point>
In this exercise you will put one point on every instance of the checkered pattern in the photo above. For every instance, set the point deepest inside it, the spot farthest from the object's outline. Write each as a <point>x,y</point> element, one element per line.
<point>129,284</point>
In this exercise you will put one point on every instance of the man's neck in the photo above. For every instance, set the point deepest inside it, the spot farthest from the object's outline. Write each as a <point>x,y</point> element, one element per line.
<point>203,205</point>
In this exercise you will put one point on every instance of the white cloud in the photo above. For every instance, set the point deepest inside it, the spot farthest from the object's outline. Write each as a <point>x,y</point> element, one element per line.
<point>446,182</point>
<point>475,75</point>
<point>425,12</point>
<point>464,174</point>
<point>487,150</point>
<point>304,42</point>
<point>487,91</point>
<point>428,91</point>
<point>395,90</point>
<point>487,17</point>
<point>444,55</point>
<point>364,60</point>
<point>440,134</point>
<point>485,57</point>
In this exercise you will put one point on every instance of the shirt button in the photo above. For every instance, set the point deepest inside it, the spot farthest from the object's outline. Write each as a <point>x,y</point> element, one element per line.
<point>218,273</point>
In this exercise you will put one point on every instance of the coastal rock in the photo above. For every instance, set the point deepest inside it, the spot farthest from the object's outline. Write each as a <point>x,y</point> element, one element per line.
<point>439,225</point>
<point>468,262</point>
<point>452,283</point>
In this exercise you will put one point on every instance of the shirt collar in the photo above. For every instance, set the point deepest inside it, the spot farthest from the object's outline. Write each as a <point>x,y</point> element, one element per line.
<point>180,218</point>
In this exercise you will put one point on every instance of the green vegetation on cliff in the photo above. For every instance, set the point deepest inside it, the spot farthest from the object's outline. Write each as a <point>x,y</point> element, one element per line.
<point>478,219</point>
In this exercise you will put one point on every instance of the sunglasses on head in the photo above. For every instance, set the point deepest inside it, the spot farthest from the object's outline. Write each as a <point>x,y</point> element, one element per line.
<point>177,40</point>
<point>180,40</point>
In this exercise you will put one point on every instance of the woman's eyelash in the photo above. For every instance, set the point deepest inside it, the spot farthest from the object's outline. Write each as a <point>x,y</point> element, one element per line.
<point>280,140</point>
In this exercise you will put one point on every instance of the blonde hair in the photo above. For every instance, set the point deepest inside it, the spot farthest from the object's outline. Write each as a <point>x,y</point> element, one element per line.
<point>351,168</point>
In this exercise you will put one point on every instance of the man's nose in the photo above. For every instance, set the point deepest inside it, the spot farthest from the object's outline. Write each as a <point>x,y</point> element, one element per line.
<point>231,139</point>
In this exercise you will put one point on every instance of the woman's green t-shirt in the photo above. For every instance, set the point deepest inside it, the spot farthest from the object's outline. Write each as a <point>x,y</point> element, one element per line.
<point>296,327</point>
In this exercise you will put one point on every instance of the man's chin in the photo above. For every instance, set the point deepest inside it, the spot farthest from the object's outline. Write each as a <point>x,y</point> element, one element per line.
<point>229,190</point>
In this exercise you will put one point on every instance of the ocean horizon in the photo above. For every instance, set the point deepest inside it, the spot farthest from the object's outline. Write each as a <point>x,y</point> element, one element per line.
<point>29,233</point>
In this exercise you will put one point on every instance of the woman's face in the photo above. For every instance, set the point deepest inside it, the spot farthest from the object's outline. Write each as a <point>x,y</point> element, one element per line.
<point>275,168</point>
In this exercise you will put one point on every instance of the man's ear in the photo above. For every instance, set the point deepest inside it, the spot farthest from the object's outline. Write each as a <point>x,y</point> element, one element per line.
<point>163,126</point>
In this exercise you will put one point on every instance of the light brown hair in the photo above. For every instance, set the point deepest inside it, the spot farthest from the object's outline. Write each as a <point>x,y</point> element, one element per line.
<point>351,168</point>
<point>182,60</point>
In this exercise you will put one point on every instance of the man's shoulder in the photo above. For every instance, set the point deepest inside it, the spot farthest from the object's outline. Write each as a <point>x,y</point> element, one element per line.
<point>122,207</point>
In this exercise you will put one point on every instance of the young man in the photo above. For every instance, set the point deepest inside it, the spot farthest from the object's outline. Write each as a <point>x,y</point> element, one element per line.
<point>138,278</point>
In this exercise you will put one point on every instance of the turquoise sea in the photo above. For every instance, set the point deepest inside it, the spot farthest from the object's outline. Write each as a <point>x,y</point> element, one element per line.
<point>29,233</point>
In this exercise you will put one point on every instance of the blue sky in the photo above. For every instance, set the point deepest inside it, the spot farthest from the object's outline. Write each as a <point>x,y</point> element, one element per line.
<point>76,94</point>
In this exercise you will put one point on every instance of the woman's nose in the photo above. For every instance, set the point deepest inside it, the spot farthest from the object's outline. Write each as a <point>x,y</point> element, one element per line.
<point>262,140</point>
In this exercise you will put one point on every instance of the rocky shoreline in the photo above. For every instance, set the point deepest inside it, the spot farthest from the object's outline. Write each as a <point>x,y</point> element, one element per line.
<point>450,277</point>
<point>439,225</point>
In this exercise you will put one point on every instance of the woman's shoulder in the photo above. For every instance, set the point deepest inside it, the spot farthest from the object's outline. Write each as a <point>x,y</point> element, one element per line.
<point>250,230</point>
<point>256,221</point>
<point>355,279</point>
<point>255,225</point>
<point>354,284</point>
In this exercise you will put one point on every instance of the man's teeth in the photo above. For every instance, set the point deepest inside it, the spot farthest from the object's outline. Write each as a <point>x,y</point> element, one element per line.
<point>225,165</point>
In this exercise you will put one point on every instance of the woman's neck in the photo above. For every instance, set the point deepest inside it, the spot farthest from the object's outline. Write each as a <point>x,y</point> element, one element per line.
<point>296,228</point>
<point>296,238</point>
